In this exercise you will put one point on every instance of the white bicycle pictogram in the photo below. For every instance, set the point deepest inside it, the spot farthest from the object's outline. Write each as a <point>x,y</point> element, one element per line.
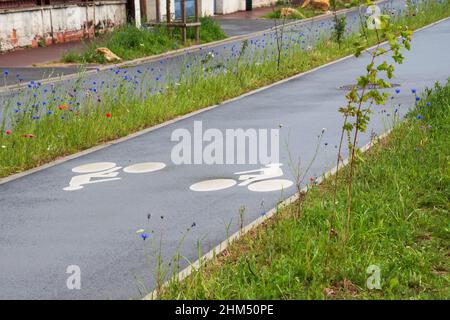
<point>259,180</point>
<point>98,172</point>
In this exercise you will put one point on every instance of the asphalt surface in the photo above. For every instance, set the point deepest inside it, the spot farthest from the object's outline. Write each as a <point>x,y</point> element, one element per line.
<point>44,229</point>
<point>239,27</point>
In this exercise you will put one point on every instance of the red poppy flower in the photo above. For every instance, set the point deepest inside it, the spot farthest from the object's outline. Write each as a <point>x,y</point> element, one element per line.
<point>8,132</point>
<point>108,115</point>
<point>62,107</point>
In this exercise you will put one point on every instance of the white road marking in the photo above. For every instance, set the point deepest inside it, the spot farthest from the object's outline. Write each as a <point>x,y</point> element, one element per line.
<point>213,185</point>
<point>144,167</point>
<point>94,167</point>
<point>270,185</point>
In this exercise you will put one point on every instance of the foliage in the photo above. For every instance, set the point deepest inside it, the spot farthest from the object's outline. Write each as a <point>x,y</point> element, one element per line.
<point>366,92</point>
<point>129,42</point>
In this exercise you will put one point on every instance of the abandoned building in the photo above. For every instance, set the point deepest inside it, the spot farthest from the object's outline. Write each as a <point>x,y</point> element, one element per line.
<point>32,23</point>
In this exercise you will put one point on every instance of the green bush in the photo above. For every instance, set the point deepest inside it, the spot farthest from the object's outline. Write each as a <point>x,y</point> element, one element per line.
<point>129,42</point>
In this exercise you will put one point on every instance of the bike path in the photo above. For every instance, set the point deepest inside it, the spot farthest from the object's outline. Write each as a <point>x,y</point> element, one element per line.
<point>44,228</point>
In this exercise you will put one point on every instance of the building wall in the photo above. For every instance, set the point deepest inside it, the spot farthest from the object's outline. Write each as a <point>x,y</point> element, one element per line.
<point>58,23</point>
<point>151,9</point>
<point>230,6</point>
<point>263,3</point>
<point>206,9</point>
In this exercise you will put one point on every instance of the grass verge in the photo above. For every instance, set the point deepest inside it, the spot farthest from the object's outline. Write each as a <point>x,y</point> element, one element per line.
<point>129,42</point>
<point>400,225</point>
<point>38,131</point>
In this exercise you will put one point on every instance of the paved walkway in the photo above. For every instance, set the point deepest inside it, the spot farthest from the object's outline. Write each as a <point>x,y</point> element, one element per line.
<point>45,228</point>
<point>29,57</point>
<point>245,22</point>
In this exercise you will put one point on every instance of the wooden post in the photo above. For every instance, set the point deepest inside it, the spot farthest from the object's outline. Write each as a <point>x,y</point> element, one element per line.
<point>137,13</point>
<point>168,11</point>
<point>197,19</point>
<point>183,20</point>
<point>158,11</point>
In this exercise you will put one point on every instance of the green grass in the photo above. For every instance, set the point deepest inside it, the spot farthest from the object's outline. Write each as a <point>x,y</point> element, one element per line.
<point>129,42</point>
<point>87,125</point>
<point>400,223</point>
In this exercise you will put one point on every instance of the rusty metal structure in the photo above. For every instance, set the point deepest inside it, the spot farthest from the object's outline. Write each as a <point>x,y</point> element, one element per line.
<point>17,4</point>
<point>181,23</point>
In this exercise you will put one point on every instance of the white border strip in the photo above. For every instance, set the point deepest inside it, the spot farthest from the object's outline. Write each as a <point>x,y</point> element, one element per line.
<point>186,116</point>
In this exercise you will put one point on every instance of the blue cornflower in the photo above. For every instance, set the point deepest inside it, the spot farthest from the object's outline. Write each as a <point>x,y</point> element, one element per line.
<point>417,98</point>
<point>419,117</point>
<point>49,112</point>
<point>428,104</point>
<point>144,236</point>
<point>413,90</point>
<point>397,91</point>
<point>5,72</point>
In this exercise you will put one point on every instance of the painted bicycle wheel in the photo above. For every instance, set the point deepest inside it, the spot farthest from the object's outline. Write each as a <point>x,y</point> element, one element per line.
<point>270,185</point>
<point>144,167</point>
<point>213,185</point>
<point>94,167</point>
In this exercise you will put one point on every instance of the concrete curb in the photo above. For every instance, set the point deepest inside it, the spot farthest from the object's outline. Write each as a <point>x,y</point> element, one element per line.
<point>183,51</point>
<point>186,116</point>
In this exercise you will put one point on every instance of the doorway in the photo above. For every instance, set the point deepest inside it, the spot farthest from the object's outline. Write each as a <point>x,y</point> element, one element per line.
<point>248,5</point>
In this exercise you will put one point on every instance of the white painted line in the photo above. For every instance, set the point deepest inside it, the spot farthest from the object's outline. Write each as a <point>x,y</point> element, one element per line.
<point>213,185</point>
<point>144,167</point>
<point>94,167</point>
<point>270,185</point>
